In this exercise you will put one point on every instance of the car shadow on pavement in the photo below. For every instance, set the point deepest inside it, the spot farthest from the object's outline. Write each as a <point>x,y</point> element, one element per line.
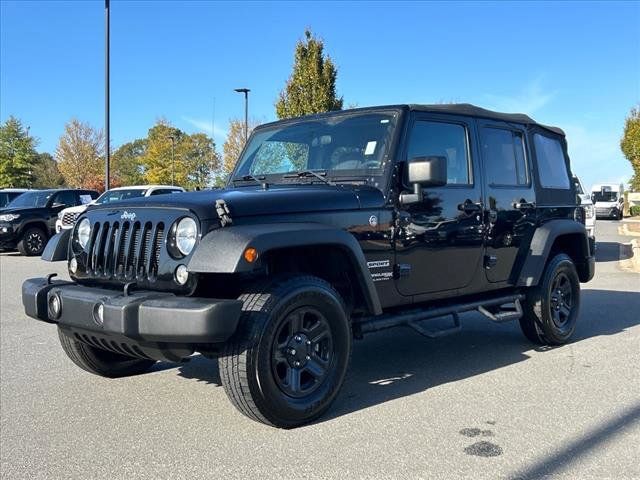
<point>399,362</point>
<point>612,252</point>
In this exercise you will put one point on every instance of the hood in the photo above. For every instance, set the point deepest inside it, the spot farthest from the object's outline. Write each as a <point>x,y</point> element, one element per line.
<point>21,210</point>
<point>76,209</point>
<point>254,200</point>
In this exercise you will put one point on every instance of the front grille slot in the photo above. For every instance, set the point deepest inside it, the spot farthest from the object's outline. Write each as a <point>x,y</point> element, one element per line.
<point>69,218</point>
<point>125,250</point>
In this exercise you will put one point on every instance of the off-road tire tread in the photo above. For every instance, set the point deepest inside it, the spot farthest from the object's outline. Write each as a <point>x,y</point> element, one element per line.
<point>531,320</point>
<point>233,361</point>
<point>22,247</point>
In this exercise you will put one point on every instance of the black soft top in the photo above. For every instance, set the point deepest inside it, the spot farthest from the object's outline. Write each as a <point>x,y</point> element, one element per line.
<point>474,111</point>
<point>451,108</point>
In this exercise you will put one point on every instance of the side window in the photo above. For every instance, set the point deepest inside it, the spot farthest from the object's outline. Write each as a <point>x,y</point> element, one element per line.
<point>552,167</point>
<point>440,139</point>
<point>504,158</point>
<point>67,198</point>
<point>160,191</point>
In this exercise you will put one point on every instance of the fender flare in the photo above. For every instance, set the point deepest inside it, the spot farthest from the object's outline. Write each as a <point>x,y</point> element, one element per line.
<point>541,243</point>
<point>221,251</point>
<point>57,248</point>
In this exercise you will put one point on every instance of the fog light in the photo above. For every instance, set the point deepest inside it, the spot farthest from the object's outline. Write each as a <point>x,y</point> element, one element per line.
<point>73,265</point>
<point>55,306</point>
<point>98,313</point>
<point>182,275</point>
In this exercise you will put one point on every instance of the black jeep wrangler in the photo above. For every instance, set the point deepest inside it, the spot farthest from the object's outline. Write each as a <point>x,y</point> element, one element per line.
<point>331,226</point>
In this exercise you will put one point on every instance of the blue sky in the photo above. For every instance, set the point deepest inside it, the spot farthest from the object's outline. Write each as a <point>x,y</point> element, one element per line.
<point>575,65</point>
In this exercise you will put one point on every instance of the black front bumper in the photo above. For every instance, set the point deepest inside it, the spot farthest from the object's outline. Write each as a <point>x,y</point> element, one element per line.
<point>159,324</point>
<point>8,236</point>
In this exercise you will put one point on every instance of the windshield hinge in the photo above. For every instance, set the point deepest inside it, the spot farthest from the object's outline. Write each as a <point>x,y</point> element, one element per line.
<point>223,213</point>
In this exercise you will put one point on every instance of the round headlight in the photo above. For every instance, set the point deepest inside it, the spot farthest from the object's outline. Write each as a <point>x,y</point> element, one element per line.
<point>186,233</point>
<point>83,232</point>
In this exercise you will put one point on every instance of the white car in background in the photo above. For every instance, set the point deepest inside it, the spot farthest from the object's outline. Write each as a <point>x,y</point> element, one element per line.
<point>589,208</point>
<point>67,217</point>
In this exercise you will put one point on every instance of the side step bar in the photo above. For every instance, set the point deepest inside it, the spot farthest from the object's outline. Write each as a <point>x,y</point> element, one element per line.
<point>492,308</point>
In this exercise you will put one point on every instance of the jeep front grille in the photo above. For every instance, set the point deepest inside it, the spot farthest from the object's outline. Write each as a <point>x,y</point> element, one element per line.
<point>127,250</point>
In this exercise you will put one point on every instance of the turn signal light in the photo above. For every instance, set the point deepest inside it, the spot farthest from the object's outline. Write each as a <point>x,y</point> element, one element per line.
<point>250,254</point>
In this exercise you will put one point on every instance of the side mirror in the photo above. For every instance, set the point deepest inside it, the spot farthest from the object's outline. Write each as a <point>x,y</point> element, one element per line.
<point>424,172</point>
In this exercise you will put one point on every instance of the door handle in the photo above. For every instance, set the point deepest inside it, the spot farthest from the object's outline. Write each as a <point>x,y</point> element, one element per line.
<point>470,207</point>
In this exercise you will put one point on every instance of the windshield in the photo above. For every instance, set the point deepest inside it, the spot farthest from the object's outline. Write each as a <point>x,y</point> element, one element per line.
<point>605,196</point>
<point>115,195</point>
<point>342,145</point>
<point>32,199</point>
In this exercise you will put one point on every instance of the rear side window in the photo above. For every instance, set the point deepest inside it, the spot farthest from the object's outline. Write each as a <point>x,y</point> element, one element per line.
<point>439,139</point>
<point>504,158</point>
<point>552,167</point>
<point>66,198</point>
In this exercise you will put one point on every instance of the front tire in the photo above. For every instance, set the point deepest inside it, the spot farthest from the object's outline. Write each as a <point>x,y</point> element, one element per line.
<point>32,242</point>
<point>551,308</point>
<point>102,362</point>
<point>289,356</point>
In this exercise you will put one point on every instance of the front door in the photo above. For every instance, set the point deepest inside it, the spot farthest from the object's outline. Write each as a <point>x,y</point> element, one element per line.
<point>439,240</point>
<point>509,197</point>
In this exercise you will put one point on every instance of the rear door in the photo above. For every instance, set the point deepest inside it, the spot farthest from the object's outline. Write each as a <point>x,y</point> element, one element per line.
<point>439,242</point>
<point>509,196</point>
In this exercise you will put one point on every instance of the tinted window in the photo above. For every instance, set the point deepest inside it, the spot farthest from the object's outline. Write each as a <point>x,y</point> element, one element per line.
<point>66,198</point>
<point>552,168</point>
<point>447,140</point>
<point>162,191</point>
<point>31,199</point>
<point>504,159</point>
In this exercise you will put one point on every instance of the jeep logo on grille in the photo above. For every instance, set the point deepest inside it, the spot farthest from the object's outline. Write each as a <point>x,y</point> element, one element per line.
<point>128,216</point>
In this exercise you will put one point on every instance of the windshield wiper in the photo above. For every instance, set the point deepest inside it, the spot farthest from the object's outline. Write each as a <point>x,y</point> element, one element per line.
<point>310,173</point>
<point>246,178</point>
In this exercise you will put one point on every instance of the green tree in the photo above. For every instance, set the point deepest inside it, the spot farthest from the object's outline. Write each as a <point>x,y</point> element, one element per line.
<point>17,153</point>
<point>311,88</point>
<point>172,156</point>
<point>80,155</point>
<point>630,145</point>
<point>234,143</point>
<point>45,172</point>
<point>127,163</point>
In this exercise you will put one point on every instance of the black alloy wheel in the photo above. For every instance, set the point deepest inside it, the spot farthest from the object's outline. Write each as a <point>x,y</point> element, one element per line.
<point>302,352</point>
<point>32,242</point>
<point>551,308</point>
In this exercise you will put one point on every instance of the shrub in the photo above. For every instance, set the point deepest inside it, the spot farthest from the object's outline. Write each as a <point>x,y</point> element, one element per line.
<point>635,210</point>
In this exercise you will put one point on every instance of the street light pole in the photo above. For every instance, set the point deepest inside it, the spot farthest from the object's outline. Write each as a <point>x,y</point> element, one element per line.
<point>246,111</point>
<point>106,96</point>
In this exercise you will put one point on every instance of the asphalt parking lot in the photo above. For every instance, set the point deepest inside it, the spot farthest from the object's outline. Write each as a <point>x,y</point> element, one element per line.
<point>481,404</point>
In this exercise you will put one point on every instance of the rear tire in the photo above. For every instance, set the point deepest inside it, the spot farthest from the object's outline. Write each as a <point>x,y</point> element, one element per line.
<point>551,308</point>
<point>102,362</point>
<point>32,242</point>
<point>289,356</point>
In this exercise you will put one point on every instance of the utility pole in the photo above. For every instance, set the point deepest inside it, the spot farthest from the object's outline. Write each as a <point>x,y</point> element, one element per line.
<point>246,111</point>
<point>106,96</point>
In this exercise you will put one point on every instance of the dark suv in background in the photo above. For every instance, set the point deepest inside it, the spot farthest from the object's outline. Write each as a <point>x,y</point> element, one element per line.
<point>30,219</point>
<point>7,195</point>
<point>331,226</point>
